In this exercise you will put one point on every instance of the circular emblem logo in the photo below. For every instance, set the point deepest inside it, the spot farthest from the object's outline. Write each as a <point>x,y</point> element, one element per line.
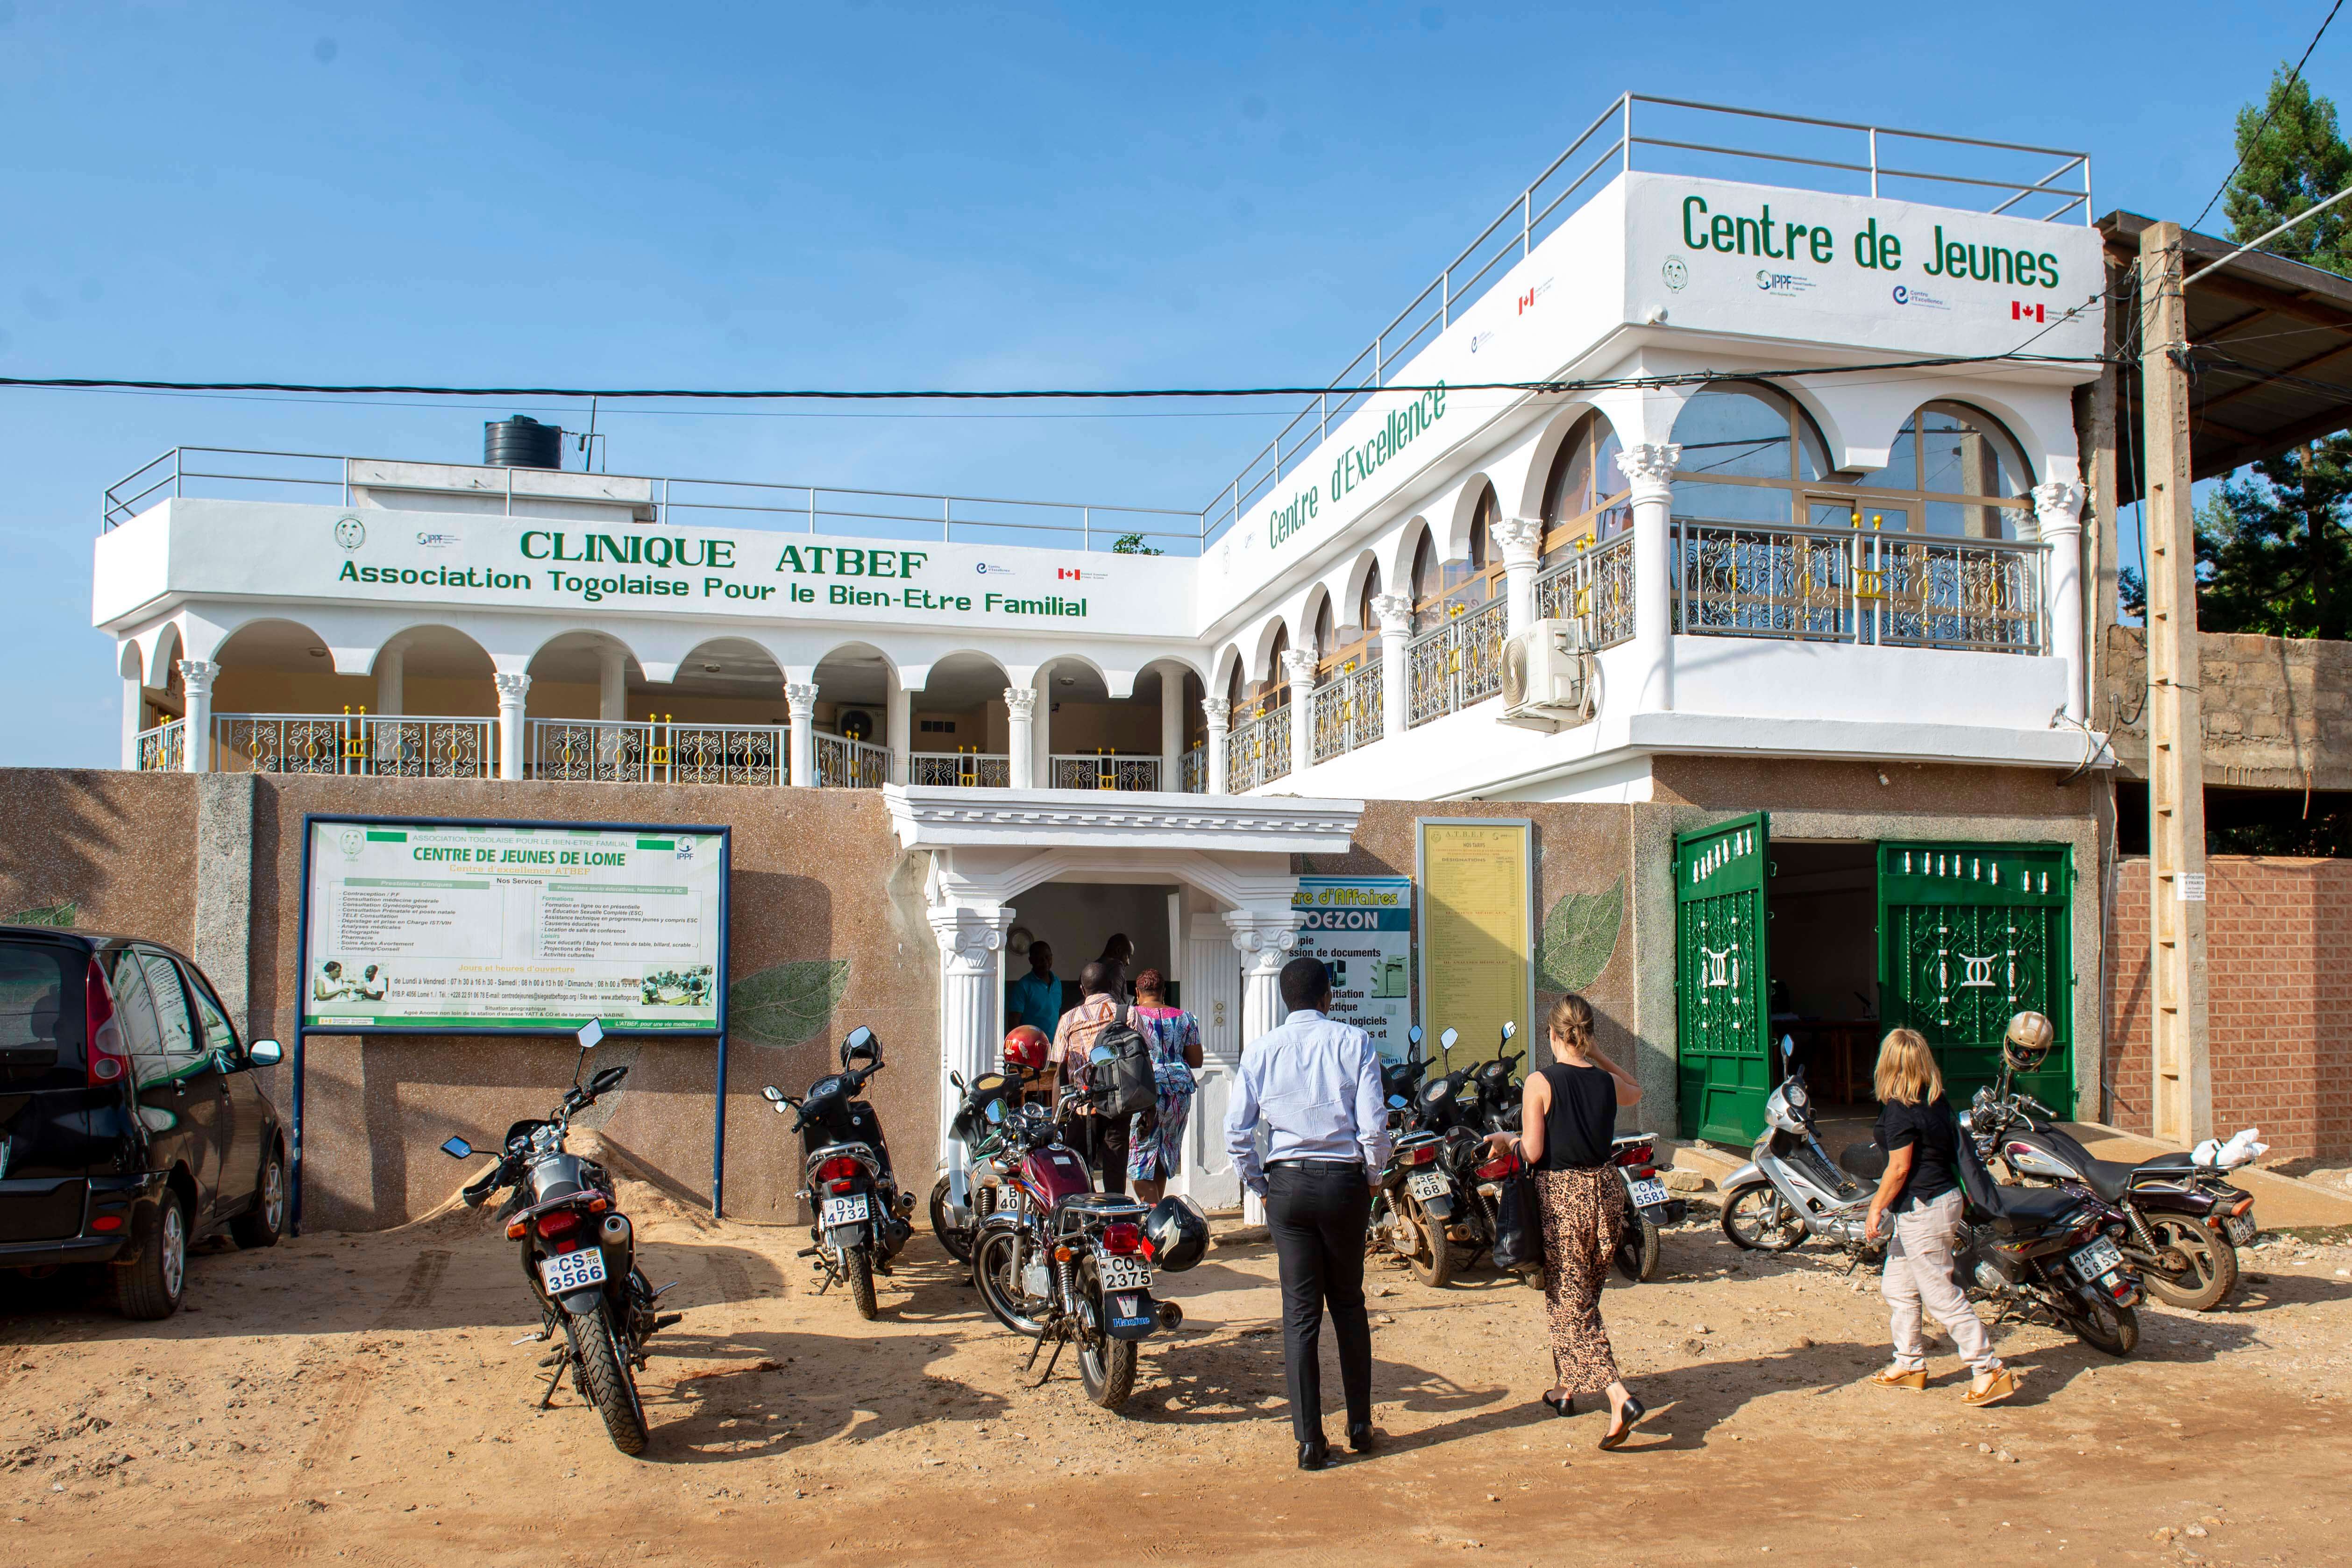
<point>350,842</point>
<point>1676,274</point>
<point>351,533</point>
<point>1901,295</point>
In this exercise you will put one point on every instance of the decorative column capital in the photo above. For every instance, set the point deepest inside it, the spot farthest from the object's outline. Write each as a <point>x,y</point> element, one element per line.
<point>1299,666</point>
<point>1021,702</point>
<point>1521,539</point>
<point>196,676</point>
<point>969,938</point>
<point>1264,940</point>
<point>2058,506</point>
<point>1218,712</point>
<point>1395,613</point>
<point>1649,468</point>
<point>800,699</point>
<point>513,686</point>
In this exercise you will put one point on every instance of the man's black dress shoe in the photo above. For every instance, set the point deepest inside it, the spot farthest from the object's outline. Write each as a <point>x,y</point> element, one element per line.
<point>1360,1439</point>
<point>1314,1455</point>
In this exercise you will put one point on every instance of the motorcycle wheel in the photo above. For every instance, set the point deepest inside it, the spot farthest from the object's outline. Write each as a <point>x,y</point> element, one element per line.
<point>1755,1218</point>
<point>859,1264</point>
<point>1000,1289</point>
<point>1433,1256</point>
<point>1107,1367</point>
<point>1637,1249</point>
<point>2212,1273</point>
<point>957,1239</point>
<point>604,1375</point>
<point>2104,1326</point>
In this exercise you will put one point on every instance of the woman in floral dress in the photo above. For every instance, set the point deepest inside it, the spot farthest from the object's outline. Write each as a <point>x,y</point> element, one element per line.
<point>1156,1137</point>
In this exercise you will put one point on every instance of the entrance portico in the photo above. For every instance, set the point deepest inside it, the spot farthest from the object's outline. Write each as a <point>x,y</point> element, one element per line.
<point>1229,859</point>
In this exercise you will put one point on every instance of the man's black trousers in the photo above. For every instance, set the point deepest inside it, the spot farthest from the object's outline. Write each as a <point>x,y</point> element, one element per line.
<point>1316,1211</point>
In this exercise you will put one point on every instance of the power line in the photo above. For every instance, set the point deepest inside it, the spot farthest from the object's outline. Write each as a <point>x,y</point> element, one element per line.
<point>2292,77</point>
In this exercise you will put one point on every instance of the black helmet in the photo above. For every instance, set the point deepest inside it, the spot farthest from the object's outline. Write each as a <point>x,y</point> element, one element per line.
<point>2026,1044</point>
<point>1179,1234</point>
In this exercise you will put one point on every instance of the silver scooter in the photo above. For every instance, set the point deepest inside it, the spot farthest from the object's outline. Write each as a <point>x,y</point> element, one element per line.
<point>1790,1188</point>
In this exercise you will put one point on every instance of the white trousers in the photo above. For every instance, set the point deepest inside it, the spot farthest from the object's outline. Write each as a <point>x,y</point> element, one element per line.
<point>1919,1269</point>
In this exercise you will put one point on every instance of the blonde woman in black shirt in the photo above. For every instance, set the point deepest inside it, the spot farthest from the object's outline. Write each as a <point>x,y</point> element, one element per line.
<point>1919,1196</point>
<point>1568,1119</point>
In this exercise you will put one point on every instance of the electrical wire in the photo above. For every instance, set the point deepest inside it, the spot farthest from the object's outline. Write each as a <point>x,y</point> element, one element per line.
<point>2268,115</point>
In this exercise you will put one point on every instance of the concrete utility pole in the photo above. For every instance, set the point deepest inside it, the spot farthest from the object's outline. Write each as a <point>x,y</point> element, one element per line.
<point>2182,1069</point>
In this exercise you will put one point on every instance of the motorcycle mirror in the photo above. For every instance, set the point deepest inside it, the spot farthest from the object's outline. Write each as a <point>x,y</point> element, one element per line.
<point>957,1079</point>
<point>1414,1035</point>
<point>592,1034</point>
<point>1509,1029</point>
<point>1100,1054</point>
<point>860,1043</point>
<point>1397,1101</point>
<point>772,1094</point>
<point>1787,1045</point>
<point>995,1112</point>
<point>1445,1042</point>
<point>458,1149</point>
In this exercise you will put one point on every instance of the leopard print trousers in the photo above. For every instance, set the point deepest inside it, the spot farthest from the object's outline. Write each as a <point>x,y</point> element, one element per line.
<point>1583,1214</point>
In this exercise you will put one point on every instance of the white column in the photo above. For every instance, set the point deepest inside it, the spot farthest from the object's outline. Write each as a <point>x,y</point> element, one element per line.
<point>612,683</point>
<point>391,675</point>
<point>1299,668</point>
<point>1395,613</point>
<point>514,687</point>
<point>1522,542</point>
<point>1171,728</point>
<point>799,702</point>
<point>1265,938</point>
<point>2058,508</point>
<point>1020,708</point>
<point>971,998</point>
<point>1649,468</point>
<point>1041,728</point>
<point>134,715</point>
<point>1212,995</point>
<point>898,725</point>
<point>196,680</point>
<point>1217,711</point>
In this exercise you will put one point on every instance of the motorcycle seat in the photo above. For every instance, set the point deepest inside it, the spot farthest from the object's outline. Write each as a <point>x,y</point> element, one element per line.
<point>2108,1179</point>
<point>2030,1206</point>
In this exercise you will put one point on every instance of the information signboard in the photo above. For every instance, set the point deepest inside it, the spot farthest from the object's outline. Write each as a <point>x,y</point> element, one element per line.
<point>530,927</point>
<point>1477,929</point>
<point>1362,927</point>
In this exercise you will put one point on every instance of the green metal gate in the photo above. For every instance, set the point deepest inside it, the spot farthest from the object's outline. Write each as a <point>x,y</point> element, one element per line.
<point>1967,935</point>
<point>1721,973</point>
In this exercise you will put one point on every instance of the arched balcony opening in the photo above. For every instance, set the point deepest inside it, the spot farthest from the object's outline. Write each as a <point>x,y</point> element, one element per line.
<point>428,709</point>
<point>1586,568</point>
<point>960,723</point>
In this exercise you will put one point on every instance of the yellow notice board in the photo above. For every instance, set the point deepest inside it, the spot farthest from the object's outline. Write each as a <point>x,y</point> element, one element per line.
<point>1477,929</point>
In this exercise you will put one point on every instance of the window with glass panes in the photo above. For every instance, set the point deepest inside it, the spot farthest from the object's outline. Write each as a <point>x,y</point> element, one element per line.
<point>1585,500</point>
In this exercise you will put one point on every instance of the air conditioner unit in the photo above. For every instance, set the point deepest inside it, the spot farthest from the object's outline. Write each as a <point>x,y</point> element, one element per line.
<point>1549,679</point>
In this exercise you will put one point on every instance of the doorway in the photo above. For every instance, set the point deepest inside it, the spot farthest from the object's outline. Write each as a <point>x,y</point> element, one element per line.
<point>1077,919</point>
<point>1822,899</point>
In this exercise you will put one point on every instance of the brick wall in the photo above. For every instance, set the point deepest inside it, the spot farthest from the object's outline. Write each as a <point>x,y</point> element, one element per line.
<point>2279,1000</point>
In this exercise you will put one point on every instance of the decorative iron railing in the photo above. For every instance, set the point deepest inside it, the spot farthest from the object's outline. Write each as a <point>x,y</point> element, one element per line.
<point>608,751</point>
<point>1347,711</point>
<point>972,769</point>
<point>1258,750</point>
<point>164,748</point>
<point>1846,585</point>
<point>1457,665</point>
<point>386,746</point>
<point>845,764</point>
<point>1196,770</point>
<point>1105,770</point>
<point>1594,586</point>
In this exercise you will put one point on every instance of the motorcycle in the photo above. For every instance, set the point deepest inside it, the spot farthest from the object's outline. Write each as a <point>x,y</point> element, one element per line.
<point>579,1254</point>
<point>1414,1205</point>
<point>1455,1107</point>
<point>859,1214</point>
<point>1790,1188</point>
<point>1063,1262</point>
<point>955,1224</point>
<point>2185,1220</point>
<point>1649,1208</point>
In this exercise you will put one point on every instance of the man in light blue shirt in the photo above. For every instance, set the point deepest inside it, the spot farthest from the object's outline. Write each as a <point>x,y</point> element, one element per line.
<point>1315,1084</point>
<point>1036,999</point>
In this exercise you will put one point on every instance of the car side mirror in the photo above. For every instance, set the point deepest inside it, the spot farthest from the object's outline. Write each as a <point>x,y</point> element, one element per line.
<point>455,1148</point>
<point>265,1053</point>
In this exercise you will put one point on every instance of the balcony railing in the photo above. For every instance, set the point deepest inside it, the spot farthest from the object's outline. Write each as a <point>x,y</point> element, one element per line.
<point>845,764</point>
<point>164,748</point>
<point>1845,585</point>
<point>970,770</point>
<point>621,752</point>
<point>1594,586</point>
<point>384,746</point>
<point>1105,770</point>
<point>1196,770</point>
<point>1347,710</point>
<point>1457,665</point>
<point>1258,750</point>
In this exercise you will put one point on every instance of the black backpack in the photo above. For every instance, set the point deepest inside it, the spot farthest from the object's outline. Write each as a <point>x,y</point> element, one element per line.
<point>1125,1085</point>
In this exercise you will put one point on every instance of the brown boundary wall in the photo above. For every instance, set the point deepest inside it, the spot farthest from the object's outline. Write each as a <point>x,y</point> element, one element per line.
<point>2278,939</point>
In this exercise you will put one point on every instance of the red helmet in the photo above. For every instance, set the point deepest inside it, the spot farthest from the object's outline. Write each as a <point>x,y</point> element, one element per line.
<point>1025,1050</point>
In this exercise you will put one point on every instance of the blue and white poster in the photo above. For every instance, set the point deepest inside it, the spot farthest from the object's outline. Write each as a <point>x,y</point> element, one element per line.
<point>1362,927</point>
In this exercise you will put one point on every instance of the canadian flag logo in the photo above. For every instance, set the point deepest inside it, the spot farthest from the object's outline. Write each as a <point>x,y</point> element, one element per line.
<point>2019,312</point>
<point>1068,574</point>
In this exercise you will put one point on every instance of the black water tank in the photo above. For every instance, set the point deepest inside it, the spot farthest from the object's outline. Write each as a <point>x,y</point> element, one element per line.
<point>522,441</point>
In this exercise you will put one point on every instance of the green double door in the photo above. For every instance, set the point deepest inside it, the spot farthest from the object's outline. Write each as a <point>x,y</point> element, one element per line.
<point>1967,935</point>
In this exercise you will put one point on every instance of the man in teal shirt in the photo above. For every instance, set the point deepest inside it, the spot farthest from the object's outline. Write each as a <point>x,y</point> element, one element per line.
<point>1036,999</point>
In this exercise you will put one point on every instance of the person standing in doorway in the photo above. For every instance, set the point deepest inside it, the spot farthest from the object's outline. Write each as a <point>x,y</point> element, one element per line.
<point>1036,999</point>
<point>1568,1119</point>
<point>1155,1139</point>
<point>1101,1140</point>
<point>1315,1084</point>
<point>1919,1196</point>
<point>1119,957</point>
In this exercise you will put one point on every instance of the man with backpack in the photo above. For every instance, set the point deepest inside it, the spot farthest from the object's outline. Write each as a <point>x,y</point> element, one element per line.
<point>1102,1096</point>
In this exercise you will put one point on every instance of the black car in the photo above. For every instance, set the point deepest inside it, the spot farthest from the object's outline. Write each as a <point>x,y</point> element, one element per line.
<point>130,1123</point>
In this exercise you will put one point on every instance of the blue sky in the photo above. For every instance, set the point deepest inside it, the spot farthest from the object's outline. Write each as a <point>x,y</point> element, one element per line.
<point>865,195</point>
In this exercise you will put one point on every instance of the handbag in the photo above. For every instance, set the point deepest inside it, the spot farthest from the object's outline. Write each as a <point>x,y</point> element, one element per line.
<point>1518,1230</point>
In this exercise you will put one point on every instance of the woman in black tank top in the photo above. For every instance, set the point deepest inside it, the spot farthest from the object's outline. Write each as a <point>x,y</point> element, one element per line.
<point>1568,1121</point>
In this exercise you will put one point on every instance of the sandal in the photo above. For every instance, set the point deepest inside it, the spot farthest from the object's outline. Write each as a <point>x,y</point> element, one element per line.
<point>1888,1377</point>
<point>2003,1385</point>
<point>1633,1412</point>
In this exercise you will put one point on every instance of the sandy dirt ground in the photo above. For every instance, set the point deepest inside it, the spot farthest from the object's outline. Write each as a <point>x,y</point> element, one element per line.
<point>357,1398</point>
